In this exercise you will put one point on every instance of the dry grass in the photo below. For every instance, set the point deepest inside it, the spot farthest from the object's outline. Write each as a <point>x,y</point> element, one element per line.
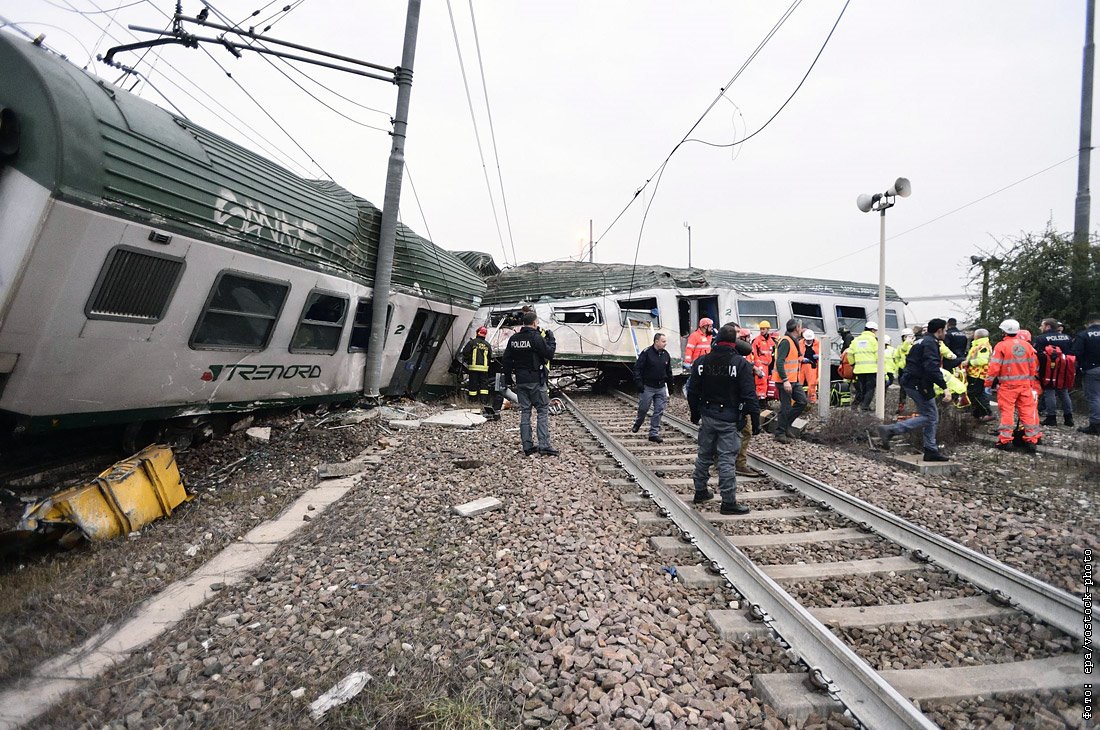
<point>418,693</point>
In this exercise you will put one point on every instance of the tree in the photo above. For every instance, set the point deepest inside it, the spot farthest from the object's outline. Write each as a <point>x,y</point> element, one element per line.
<point>1035,279</point>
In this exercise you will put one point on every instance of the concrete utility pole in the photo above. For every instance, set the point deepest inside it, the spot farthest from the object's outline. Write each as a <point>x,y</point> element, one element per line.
<point>1081,209</point>
<point>383,275</point>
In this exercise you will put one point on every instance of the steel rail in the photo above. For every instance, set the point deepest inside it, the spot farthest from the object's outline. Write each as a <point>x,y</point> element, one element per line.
<point>1042,600</point>
<point>870,698</point>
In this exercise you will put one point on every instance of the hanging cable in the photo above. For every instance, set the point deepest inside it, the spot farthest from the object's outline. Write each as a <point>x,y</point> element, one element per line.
<point>493,134</point>
<point>477,135</point>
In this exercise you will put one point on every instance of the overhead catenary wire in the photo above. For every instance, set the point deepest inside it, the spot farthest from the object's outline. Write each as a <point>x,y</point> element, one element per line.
<point>477,135</point>
<point>253,99</point>
<point>721,93</point>
<point>271,146</point>
<point>942,215</point>
<point>18,26</point>
<point>664,164</point>
<point>492,133</point>
<point>71,9</point>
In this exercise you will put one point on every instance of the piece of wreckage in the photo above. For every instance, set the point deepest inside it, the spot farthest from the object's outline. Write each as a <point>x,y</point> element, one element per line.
<point>126,496</point>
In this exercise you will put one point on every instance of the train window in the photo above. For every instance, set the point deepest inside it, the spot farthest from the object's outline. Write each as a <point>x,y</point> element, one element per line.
<point>588,314</point>
<point>751,311</point>
<point>240,313</point>
<point>639,310</point>
<point>851,317</point>
<point>891,319</point>
<point>321,324</point>
<point>360,328</point>
<point>134,286</point>
<point>810,314</point>
<point>506,318</point>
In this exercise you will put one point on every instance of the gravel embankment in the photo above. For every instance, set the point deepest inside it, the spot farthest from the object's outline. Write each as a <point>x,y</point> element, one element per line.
<point>51,601</point>
<point>551,612</point>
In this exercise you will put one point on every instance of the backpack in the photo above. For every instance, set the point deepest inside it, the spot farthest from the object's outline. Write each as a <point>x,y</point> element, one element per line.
<point>846,370</point>
<point>1059,370</point>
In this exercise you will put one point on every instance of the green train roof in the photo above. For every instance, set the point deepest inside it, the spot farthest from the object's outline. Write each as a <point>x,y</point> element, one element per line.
<point>571,279</point>
<point>96,145</point>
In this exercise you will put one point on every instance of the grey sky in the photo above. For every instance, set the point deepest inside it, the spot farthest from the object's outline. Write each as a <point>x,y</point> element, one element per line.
<point>588,98</point>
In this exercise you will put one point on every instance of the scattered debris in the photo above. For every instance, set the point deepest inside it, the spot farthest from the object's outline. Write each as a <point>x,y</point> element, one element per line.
<point>192,551</point>
<point>260,433</point>
<point>340,693</point>
<point>404,424</point>
<point>357,416</point>
<point>477,507</point>
<point>298,693</point>
<point>469,463</point>
<point>454,419</point>
<point>128,495</point>
<point>241,424</point>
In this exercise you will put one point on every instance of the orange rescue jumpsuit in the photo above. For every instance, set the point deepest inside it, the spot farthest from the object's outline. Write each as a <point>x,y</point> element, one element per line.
<point>763,353</point>
<point>809,372</point>
<point>698,344</point>
<point>1015,366</point>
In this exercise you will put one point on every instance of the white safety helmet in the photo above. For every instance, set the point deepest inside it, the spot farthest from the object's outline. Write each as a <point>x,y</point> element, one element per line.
<point>871,325</point>
<point>1010,327</point>
<point>808,334</point>
<point>906,335</point>
<point>886,338</point>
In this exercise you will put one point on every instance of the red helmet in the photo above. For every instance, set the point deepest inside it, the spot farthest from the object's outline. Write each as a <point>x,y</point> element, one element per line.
<point>706,322</point>
<point>743,334</point>
<point>481,331</point>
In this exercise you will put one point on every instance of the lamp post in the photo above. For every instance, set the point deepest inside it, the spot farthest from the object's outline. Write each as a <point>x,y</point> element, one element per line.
<point>987,263</point>
<point>688,226</point>
<point>880,202</point>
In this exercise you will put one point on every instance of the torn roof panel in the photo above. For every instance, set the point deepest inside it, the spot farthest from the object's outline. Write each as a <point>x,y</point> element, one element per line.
<point>571,279</point>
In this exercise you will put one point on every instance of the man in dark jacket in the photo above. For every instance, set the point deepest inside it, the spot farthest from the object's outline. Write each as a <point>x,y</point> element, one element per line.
<point>722,395</point>
<point>653,376</point>
<point>1060,344</point>
<point>1086,347</point>
<point>919,379</point>
<point>956,340</point>
<point>524,361</point>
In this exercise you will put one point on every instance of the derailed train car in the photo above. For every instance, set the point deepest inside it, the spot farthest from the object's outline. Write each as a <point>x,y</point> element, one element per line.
<point>152,270</point>
<point>604,314</point>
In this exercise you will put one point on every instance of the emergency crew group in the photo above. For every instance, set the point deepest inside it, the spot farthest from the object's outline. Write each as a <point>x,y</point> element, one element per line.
<point>731,373</point>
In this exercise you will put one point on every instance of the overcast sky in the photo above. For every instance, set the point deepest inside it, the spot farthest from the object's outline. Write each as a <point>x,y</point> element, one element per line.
<point>588,98</point>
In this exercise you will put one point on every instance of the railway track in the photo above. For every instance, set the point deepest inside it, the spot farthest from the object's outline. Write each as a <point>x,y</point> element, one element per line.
<point>844,539</point>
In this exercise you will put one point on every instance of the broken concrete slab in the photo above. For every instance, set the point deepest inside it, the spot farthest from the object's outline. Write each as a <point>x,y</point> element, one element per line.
<point>798,426</point>
<point>915,462</point>
<point>477,507</point>
<point>455,419</point>
<point>357,416</point>
<point>404,424</point>
<point>260,433</point>
<point>332,471</point>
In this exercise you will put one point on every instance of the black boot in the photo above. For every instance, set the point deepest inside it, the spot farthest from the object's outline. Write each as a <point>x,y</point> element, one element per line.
<point>734,508</point>
<point>1092,428</point>
<point>884,435</point>
<point>1050,421</point>
<point>934,455</point>
<point>1069,419</point>
<point>704,496</point>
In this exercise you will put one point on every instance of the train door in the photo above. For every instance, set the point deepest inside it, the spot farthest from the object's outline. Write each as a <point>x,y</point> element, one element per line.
<point>422,344</point>
<point>691,310</point>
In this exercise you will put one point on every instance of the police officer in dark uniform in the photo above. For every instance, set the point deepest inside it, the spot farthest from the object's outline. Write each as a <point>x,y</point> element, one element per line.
<point>721,394</point>
<point>956,340</point>
<point>1086,347</point>
<point>524,363</point>
<point>1052,397</point>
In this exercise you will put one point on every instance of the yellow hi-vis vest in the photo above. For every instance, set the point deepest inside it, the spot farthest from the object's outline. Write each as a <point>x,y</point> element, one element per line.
<point>978,358</point>
<point>479,357</point>
<point>863,353</point>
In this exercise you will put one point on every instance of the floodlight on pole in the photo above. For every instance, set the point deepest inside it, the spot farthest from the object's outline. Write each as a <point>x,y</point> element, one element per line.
<point>881,202</point>
<point>688,226</point>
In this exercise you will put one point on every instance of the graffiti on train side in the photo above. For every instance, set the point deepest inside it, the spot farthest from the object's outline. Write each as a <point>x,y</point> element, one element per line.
<point>252,218</point>
<point>261,372</point>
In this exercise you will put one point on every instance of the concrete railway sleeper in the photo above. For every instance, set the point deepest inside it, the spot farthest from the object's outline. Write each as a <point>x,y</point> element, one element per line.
<point>837,534</point>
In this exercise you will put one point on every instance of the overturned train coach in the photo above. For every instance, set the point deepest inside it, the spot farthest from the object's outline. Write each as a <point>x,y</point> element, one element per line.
<point>152,270</point>
<point>602,315</point>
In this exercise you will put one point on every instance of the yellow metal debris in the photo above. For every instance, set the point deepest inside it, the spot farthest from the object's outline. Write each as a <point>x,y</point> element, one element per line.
<point>129,494</point>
